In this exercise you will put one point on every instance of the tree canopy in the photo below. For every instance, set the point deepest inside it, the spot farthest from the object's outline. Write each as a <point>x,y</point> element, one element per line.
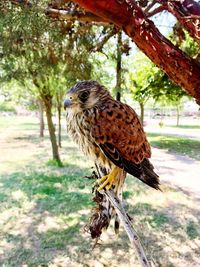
<point>135,18</point>
<point>46,57</point>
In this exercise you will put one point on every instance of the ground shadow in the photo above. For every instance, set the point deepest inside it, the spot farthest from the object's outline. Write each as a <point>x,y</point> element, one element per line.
<point>44,211</point>
<point>54,210</point>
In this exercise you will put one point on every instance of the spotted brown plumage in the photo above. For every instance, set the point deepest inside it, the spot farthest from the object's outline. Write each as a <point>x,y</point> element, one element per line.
<point>111,133</point>
<point>108,131</point>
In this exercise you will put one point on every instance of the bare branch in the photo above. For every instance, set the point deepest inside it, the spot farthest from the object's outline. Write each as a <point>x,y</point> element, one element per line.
<point>21,2</point>
<point>124,218</point>
<point>192,17</point>
<point>150,5</point>
<point>155,11</point>
<point>133,237</point>
<point>75,15</point>
<point>98,47</point>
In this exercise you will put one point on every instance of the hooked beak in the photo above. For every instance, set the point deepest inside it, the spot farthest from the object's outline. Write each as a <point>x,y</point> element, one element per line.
<point>67,103</point>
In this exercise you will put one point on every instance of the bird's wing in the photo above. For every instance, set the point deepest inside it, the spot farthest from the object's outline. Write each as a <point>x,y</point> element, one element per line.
<point>119,134</point>
<point>118,128</point>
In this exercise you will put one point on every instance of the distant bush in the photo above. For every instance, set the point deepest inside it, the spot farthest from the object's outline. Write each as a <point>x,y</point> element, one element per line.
<point>7,107</point>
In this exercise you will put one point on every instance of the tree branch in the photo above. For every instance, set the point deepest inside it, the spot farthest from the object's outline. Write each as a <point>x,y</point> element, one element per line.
<point>192,17</point>
<point>146,9</point>
<point>75,15</point>
<point>133,237</point>
<point>62,14</point>
<point>98,47</point>
<point>155,11</point>
<point>127,15</point>
<point>183,9</point>
<point>21,2</point>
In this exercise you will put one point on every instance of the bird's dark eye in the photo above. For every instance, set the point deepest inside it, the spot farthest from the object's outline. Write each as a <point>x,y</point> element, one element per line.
<point>83,96</point>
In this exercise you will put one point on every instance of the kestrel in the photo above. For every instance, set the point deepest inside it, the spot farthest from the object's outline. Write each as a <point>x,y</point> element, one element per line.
<point>110,132</point>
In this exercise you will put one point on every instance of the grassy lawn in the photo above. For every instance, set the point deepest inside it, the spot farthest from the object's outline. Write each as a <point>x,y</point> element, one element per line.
<point>180,145</point>
<point>186,126</point>
<point>44,209</point>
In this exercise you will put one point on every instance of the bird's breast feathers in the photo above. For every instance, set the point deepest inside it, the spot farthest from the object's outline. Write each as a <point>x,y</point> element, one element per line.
<point>79,127</point>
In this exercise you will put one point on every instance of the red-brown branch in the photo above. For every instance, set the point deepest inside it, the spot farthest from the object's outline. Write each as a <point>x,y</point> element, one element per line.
<point>182,69</point>
<point>187,13</point>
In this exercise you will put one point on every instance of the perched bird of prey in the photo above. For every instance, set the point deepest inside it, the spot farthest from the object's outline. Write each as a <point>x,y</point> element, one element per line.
<point>111,133</point>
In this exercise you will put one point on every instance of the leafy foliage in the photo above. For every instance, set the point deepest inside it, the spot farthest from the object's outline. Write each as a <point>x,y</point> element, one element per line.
<point>148,81</point>
<point>181,38</point>
<point>142,78</point>
<point>37,51</point>
<point>7,107</point>
<point>43,56</point>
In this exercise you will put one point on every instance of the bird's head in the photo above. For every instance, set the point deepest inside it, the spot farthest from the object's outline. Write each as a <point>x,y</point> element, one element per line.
<point>85,95</point>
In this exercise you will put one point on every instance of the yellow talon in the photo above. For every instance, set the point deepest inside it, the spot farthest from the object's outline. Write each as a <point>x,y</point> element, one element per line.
<point>102,179</point>
<point>107,180</point>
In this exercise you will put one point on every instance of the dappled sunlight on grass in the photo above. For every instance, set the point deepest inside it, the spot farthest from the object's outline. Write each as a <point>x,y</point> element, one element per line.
<point>44,210</point>
<point>181,145</point>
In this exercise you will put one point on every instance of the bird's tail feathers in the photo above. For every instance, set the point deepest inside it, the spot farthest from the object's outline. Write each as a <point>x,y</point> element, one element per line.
<point>148,175</point>
<point>143,171</point>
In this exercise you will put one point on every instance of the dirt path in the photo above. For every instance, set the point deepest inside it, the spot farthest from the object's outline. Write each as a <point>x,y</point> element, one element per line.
<point>179,171</point>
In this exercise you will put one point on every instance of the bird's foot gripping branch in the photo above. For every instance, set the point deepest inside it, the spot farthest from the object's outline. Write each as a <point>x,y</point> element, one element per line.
<point>108,180</point>
<point>101,217</point>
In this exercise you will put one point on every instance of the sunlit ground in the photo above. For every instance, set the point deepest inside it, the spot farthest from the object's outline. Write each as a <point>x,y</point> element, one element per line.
<point>44,210</point>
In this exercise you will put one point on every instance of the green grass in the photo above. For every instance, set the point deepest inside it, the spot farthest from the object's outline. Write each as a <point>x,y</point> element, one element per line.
<point>180,145</point>
<point>24,122</point>
<point>55,201</point>
<point>186,126</point>
<point>53,162</point>
<point>44,210</point>
<point>192,230</point>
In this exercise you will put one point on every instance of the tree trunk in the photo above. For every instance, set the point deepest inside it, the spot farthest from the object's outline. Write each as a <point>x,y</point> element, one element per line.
<point>142,112</point>
<point>177,115</point>
<point>59,125</point>
<point>127,15</point>
<point>119,66</point>
<point>41,117</point>
<point>48,107</point>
